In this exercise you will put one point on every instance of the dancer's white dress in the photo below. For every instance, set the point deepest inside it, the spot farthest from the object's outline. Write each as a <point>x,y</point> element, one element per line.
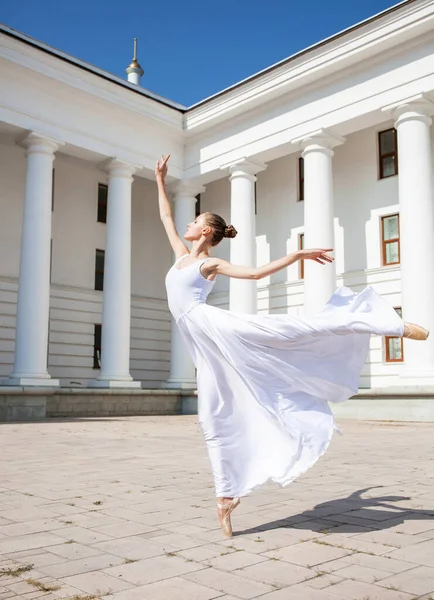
<point>264,381</point>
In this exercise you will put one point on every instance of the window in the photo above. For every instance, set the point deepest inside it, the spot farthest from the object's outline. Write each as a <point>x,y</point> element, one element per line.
<point>102,203</point>
<point>388,153</point>
<point>300,179</point>
<point>394,346</point>
<point>390,239</point>
<point>301,262</point>
<point>51,258</point>
<point>52,189</point>
<point>198,207</point>
<point>256,199</point>
<point>99,269</point>
<point>97,332</point>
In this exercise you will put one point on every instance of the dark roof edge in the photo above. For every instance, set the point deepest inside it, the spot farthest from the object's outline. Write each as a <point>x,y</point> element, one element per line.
<point>89,68</point>
<point>303,52</point>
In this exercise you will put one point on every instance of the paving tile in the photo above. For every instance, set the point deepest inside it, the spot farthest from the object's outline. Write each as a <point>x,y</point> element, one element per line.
<point>82,565</point>
<point>422,553</point>
<point>235,560</point>
<point>133,547</point>
<point>153,569</point>
<point>308,554</point>
<point>415,581</point>
<point>97,582</point>
<point>229,583</point>
<point>301,592</point>
<point>355,590</point>
<point>361,573</point>
<point>170,589</point>
<point>276,573</point>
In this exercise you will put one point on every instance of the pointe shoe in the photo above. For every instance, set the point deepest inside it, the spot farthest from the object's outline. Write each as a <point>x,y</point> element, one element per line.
<point>415,332</point>
<point>225,518</point>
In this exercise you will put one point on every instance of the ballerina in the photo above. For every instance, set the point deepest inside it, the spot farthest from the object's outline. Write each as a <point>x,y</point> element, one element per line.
<point>264,381</point>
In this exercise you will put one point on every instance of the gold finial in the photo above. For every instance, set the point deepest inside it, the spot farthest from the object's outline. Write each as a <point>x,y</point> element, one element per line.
<point>134,63</point>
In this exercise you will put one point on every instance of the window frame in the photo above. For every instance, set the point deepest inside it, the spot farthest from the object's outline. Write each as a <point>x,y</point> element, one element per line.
<point>384,243</point>
<point>301,262</point>
<point>102,206</point>
<point>197,206</point>
<point>99,272</point>
<point>381,156</point>
<point>53,182</point>
<point>96,348</point>
<point>300,179</point>
<point>387,338</point>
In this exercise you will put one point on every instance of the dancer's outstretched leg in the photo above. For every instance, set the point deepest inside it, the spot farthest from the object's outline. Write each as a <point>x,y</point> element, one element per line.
<point>415,332</point>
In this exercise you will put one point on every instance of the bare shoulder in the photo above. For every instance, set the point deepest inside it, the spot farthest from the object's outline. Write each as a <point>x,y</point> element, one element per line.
<point>210,267</point>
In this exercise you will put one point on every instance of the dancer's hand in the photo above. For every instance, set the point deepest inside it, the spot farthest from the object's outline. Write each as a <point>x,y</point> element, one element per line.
<point>161,167</point>
<point>319,255</point>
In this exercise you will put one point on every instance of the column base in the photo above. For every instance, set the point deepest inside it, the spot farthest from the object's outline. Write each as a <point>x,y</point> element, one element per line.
<point>182,384</point>
<point>114,383</point>
<point>19,381</point>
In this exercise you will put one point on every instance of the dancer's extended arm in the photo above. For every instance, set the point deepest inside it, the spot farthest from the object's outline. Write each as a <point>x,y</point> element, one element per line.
<point>217,266</point>
<point>166,216</point>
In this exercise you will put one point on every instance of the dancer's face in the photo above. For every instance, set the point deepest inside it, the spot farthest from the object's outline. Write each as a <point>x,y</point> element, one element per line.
<point>197,229</point>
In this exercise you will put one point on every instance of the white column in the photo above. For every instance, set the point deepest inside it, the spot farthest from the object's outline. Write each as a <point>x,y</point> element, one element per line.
<point>319,280</point>
<point>182,372</point>
<point>31,341</point>
<point>116,312</point>
<point>416,231</point>
<point>243,292</point>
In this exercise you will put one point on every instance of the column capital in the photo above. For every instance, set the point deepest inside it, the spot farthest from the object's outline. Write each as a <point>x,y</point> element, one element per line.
<point>320,139</point>
<point>40,143</point>
<point>119,168</point>
<point>244,166</point>
<point>187,188</point>
<point>419,107</point>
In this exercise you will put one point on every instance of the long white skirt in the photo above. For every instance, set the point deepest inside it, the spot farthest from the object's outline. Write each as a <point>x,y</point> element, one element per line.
<point>264,383</point>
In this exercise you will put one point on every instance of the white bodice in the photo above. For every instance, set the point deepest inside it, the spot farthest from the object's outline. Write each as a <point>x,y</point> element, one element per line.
<point>186,287</point>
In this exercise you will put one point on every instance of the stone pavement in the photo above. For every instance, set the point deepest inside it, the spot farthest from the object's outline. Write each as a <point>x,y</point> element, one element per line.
<point>123,509</point>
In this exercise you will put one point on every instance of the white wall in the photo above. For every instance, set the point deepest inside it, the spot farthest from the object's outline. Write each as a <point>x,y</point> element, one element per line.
<point>75,305</point>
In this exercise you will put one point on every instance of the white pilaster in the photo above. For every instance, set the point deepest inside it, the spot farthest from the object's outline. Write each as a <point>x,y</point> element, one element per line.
<point>31,343</point>
<point>416,230</point>
<point>116,314</point>
<point>319,280</point>
<point>182,372</point>
<point>243,292</point>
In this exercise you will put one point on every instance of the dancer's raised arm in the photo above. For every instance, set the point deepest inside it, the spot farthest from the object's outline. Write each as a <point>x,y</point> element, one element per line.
<point>166,215</point>
<point>217,266</point>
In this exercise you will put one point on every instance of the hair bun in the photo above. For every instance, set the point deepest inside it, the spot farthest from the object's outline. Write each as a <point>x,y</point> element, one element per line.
<point>230,231</point>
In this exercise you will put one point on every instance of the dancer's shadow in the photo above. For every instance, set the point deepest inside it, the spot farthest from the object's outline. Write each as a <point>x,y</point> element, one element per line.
<point>350,514</point>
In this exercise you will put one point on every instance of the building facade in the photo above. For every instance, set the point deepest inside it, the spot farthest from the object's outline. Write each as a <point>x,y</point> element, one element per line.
<point>332,147</point>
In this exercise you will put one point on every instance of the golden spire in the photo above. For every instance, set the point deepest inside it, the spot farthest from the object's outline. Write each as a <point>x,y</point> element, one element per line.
<point>134,63</point>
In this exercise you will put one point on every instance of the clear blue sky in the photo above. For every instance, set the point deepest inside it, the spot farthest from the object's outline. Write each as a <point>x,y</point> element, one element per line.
<point>189,49</point>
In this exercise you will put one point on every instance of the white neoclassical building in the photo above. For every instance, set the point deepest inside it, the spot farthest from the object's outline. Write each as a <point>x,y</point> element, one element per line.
<point>331,147</point>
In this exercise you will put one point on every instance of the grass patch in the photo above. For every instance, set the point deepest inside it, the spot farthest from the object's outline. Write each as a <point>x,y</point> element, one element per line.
<point>67,522</point>
<point>15,571</point>
<point>70,542</point>
<point>170,553</point>
<point>97,502</point>
<point>127,561</point>
<point>43,587</point>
